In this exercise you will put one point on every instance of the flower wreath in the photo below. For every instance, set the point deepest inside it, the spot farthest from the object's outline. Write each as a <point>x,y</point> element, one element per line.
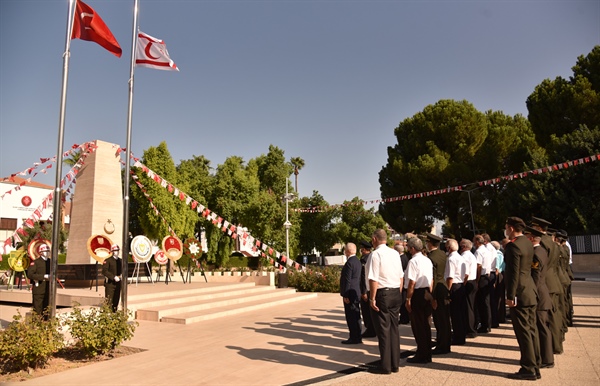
<point>192,248</point>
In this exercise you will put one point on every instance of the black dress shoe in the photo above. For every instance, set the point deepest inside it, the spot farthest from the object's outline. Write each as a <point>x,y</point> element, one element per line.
<point>406,354</point>
<point>457,343</point>
<point>523,375</point>
<point>483,330</point>
<point>369,335</point>
<point>351,341</point>
<point>439,352</point>
<point>471,335</point>
<point>395,370</point>
<point>379,370</point>
<point>547,365</point>
<point>418,360</point>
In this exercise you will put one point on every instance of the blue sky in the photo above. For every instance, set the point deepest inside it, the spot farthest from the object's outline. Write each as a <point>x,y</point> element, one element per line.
<point>327,81</point>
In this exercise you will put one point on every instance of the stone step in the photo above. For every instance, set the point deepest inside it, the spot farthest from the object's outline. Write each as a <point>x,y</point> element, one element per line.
<point>228,310</point>
<point>197,296</point>
<point>180,293</point>
<point>156,313</point>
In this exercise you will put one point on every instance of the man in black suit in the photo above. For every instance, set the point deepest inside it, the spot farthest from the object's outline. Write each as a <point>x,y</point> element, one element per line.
<point>111,270</point>
<point>365,307</point>
<point>350,292</point>
<point>521,298</point>
<point>404,258</point>
<point>39,273</point>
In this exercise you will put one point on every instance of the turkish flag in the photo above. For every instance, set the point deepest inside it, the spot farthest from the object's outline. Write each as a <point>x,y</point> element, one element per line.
<point>88,25</point>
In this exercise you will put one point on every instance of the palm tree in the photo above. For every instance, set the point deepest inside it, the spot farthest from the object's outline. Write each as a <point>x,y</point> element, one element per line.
<point>297,164</point>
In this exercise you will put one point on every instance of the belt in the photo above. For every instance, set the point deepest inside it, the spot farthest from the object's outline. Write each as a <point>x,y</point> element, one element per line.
<point>387,289</point>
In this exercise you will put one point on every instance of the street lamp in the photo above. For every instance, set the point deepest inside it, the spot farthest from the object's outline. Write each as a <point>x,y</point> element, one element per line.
<point>287,224</point>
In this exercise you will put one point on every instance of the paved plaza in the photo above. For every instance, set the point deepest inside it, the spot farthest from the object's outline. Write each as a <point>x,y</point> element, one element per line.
<point>299,344</point>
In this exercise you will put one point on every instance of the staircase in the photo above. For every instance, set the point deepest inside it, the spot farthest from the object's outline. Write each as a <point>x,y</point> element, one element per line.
<point>195,305</point>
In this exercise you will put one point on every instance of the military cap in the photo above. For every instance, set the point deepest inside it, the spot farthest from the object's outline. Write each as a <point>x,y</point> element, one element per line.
<point>515,221</point>
<point>533,231</point>
<point>433,238</point>
<point>551,231</point>
<point>540,222</point>
<point>366,244</point>
<point>562,233</point>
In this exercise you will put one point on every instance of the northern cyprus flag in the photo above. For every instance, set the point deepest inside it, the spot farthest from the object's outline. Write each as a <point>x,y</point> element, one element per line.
<point>151,52</point>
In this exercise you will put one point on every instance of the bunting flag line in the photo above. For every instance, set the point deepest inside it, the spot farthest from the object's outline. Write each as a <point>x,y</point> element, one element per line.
<point>88,25</point>
<point>152,53</point>
<point>48,200</point>
<point>511,177</point>
<point>84,148</point>
<point>232,231</point>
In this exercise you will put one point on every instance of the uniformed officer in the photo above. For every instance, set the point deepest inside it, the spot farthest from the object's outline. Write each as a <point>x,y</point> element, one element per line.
<point>111,270</point>
<point>441,295</point>
<point>553,282</point>
<point>39,273</point>
<point>538,272</point>
<point>521,298</point>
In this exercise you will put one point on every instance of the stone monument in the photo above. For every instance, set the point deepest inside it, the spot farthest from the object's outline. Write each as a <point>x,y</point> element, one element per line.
<point>97,207</point>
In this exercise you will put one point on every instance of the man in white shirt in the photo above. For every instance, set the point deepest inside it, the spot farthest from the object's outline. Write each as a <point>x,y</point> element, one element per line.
<point>484,258</point>
<point>472,269</point>
<point>455,275</point>
<point>384,273</point>
<point>419,299</point>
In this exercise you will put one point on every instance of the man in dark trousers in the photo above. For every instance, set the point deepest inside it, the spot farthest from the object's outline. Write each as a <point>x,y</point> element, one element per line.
<point>111,270</point>
<point>350,291</point>
<point>538,272</point>
<point>521,298</point>
<point>552,281</point>
<point>441,295</point>
<point>404,258</point>
<point>365,252</point>
<point>39,273</point>
<point>418,299</point>
<point>385,275</point>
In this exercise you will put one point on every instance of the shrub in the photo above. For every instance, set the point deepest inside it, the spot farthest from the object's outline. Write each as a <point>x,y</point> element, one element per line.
<point>317,279</point>
<point>29,343</point>
<point>99,329</point>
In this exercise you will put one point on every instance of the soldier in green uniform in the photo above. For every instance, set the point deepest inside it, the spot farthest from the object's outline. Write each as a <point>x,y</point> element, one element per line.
<point>39,273</point>
<point>111,270</point>
<point>553,283</point>
<point>441,294</point>
<point>521,298</point>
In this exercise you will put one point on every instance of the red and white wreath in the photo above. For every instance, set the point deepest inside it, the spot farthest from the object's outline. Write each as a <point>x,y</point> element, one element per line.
<point>192,248</point>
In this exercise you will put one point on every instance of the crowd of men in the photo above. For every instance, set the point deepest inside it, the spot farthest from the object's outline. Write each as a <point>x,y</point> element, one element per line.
<point>467,288</point>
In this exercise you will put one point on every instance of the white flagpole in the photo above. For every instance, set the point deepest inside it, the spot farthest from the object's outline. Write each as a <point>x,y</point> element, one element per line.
<point>125,248</point>
<point>57,197</point>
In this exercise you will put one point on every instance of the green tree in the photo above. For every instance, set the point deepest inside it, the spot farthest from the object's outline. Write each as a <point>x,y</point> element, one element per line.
<point>273,170</point>
<point>561,106</point>
<point>565,116</point>
<point>317,229</point>
<point>196,172</point>
<point>175,212</point>
<point>356,223</point>
<point>297,163</point>
<point>452,144</point>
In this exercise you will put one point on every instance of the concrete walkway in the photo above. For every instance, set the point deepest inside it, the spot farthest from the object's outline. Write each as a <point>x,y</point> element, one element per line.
<point>299,344</point>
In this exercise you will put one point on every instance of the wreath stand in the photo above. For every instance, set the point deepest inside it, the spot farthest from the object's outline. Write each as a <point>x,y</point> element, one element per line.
<point>167,274</point>
<point>190,273</point>
<point>181,272</point>
<point>135,275</point>
<point>13,275</point>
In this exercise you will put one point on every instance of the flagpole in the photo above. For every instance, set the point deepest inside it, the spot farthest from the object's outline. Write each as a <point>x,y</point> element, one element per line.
<point>56,198</point>
<point>125,248</point>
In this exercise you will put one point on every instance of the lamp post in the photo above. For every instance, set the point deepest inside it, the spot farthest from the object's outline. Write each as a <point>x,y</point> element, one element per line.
<point>287,224</point>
